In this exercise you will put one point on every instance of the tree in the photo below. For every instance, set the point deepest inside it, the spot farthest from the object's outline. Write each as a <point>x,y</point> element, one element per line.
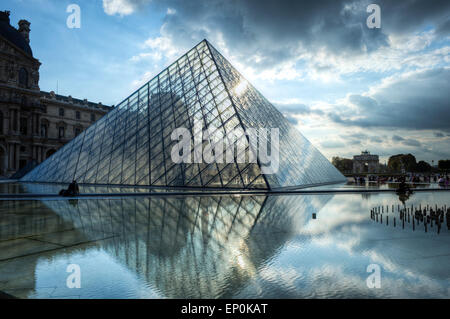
<point>423,167</point>
<point>402,161</point>
<point>344,165</point>
<point>444,164</point>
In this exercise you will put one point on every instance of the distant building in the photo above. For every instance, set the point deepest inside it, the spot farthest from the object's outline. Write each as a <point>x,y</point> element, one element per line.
<point>33,124</point>
<point>366,163</point>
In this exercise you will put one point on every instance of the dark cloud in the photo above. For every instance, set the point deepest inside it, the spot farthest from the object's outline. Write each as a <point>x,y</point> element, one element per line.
<point>276,31</point>
<point>292,119</point>
<point>418,101</point>
<point>412,142</point>
<point>444,28</point>
<point>366,103</point>
<point>438,134</point>
<point>279,31</point>
<point>397,138</point>
<point>410,15</point>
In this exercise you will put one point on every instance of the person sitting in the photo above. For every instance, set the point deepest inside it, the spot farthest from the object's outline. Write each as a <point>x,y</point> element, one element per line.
<point>72,190</point>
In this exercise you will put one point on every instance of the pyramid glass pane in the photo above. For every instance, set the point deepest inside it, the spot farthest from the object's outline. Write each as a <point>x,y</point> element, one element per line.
<point>132,144</point>
<point>300,163</point>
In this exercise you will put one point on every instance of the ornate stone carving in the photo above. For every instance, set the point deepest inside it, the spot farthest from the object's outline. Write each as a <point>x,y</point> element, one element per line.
<point>24,29</point>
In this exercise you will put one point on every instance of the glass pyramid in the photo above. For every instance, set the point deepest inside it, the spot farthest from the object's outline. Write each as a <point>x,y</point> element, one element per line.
<point>132,144</point>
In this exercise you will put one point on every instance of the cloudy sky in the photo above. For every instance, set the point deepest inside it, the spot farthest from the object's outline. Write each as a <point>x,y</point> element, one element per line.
<point>346,87</point>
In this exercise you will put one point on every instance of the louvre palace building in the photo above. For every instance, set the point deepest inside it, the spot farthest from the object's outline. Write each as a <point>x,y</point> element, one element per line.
<point>33,124</point>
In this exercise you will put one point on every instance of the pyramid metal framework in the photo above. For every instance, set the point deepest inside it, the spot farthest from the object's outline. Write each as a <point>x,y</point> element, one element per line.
<point>131,145</point>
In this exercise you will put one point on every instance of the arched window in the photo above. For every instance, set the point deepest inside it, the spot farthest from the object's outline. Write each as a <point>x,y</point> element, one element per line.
<point>23,77</point>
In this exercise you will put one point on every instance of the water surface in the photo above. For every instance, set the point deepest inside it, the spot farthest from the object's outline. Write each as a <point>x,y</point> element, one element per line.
<point>226,246</point>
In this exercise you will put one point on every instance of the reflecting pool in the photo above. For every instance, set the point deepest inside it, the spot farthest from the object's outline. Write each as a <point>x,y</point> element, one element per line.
<point>227,246</point>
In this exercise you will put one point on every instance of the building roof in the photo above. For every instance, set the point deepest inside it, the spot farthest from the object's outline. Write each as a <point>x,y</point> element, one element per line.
<point>12,34</point>
<point>74,101</point>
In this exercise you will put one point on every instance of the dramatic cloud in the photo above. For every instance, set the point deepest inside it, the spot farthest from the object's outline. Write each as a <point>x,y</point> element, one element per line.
<point>409,15</point>
<point>412,142</point>
<point>345,86</point>
<point>264,34</point>
<point>416,100</point>
<point>268,33</point>
<point>397,138</point>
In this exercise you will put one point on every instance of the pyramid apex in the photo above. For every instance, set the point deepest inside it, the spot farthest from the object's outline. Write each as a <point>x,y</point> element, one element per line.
<point>204,40</point>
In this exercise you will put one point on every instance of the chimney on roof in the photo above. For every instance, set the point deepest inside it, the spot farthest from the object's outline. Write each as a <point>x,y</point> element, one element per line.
<point>24,29</point>
<point>4,16</point>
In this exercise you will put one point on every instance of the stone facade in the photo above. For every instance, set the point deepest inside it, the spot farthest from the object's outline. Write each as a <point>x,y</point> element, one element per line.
<point>366,163</point>
<point>33,124</point>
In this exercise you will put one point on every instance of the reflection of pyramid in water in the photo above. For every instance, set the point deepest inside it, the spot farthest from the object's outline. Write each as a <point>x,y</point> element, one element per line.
<point>188,247</point>
<point>132,145</point>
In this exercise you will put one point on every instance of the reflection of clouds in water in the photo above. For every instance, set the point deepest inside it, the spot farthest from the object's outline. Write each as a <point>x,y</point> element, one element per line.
<point>343,230</point>
<point>335,281</point>
<point>252,246</point>
<point>334,215</point>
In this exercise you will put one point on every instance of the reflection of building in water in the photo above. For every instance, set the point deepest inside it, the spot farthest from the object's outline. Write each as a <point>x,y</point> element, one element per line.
<point>19,220</point>
<point>366,196</point>
<point>191,247</point>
